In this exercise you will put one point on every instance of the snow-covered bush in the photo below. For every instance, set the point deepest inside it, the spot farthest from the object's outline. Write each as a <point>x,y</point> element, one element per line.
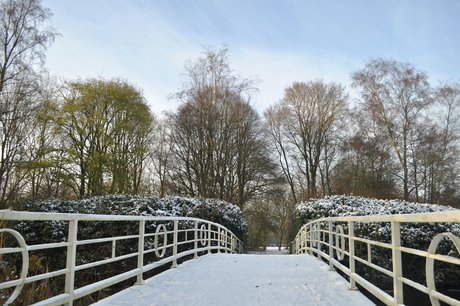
<point>218,211</point>
<point>340,206</point>
<point>413,235</point>
<point>37,232</point>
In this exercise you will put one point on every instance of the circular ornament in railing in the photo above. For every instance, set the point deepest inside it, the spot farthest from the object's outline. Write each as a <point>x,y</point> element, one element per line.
<point>203,237</point>
<point>223,238</point>
<point>430,277</point>
<point>339,244</point>
<point>25,262</point>
<point>161,229</point>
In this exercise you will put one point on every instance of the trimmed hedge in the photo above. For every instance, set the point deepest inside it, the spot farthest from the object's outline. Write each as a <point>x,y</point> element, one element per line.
<point>217,211</point>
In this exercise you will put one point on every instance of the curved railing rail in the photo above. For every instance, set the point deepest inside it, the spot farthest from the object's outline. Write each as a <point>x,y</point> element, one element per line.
<point>157,240</point>
<point>335,240</point>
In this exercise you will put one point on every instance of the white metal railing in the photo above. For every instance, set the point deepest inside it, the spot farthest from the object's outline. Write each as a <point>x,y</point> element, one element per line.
<point>169,239</point>
<point>334,239</point>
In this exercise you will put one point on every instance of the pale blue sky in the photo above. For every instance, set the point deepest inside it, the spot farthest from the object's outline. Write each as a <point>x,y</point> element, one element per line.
<point>147,42</point>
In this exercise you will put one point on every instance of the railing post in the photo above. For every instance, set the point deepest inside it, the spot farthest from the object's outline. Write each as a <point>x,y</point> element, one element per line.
<point>369,253</point>
<point>299,242</point>
<point>225,241</point>
<point>331,250</point>
<point>195,244</point>
<point>71,258</point>
<point>114,247</point>
<point>219,239</point>
<point>140,250</point>
<point>229,241</point>
<point>318,240</point>
<point>175,234</point>
<point>311,238</point>
<point>209,238</point>
<point>351,244</point>
<point>397,262</point>
<point>306,240</point>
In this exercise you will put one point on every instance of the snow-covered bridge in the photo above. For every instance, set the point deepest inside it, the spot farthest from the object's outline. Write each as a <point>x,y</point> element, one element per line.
<point>218,274</point>
<point>237,279</point>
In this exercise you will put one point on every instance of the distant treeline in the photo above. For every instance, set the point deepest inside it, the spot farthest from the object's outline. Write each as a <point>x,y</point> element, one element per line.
<point>397,138</point>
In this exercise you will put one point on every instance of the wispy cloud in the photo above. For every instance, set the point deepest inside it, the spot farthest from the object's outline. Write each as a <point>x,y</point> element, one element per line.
<point>148,42</point>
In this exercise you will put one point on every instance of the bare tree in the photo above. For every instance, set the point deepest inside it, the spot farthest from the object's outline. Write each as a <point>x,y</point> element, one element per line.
<point>310,113</point>
<point>24,36</point>
<point>366,166</point>
<point>216,135</point>
<point>395,95</point>
<point>259,214</point>
<point>437,161</point>
<point>160,158</point>
<point>277,118</point>
<point>24,39</point>
<point>283,209</point>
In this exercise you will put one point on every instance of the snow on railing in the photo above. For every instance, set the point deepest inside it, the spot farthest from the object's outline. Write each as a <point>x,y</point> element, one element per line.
<point>156,241</point>
<point>337,241</point>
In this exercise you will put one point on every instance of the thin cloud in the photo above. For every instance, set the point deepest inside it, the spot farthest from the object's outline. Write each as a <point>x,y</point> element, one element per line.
<point>148,42</point>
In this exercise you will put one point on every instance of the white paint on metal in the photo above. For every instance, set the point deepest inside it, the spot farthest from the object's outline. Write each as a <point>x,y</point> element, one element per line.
<point>203,239</point>
<point>339,244</point>
<point>175,240</point>
<point>71,260</point>
<point>211,237</point>
<point>351,247</point>
<point>397,262</point>
<point>430,264</point>
<point>25,262</point>
<point>310,240</point>
<point>161,229</point>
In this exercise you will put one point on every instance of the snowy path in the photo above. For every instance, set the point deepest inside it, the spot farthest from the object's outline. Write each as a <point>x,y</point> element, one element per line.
<point>256,279</point>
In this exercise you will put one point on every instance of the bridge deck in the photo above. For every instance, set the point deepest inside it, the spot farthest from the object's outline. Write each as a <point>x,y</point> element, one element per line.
<point>229,279</point>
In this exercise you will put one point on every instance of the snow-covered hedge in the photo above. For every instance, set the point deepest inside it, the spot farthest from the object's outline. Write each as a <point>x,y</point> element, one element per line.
<point>413,235</point>
<point>340,206</point>
<point>218,211</point>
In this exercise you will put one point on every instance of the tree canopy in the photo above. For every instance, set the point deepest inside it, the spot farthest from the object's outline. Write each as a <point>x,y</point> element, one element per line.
<point>398,138</point>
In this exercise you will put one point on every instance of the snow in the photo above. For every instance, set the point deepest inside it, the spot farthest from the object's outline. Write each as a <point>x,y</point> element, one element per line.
<point>214,210</point>
<point>341,206</point>
<point>271,251</point>
<point>237,279</point>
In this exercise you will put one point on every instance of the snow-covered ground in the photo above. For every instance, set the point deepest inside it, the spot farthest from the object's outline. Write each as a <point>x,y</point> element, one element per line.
<point>271,251</point>
<point>254,279</point>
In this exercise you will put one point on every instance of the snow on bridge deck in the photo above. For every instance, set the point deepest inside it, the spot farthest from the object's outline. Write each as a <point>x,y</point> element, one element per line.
<point>255,279</point>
